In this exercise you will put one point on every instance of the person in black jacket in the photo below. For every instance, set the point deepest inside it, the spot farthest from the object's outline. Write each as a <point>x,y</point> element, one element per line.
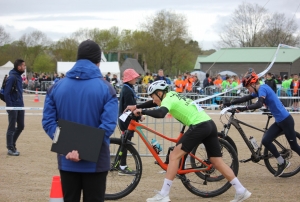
<point>127,97</point>
<point>206,81</point>
<point>14,98</point>
<point>270,81</point>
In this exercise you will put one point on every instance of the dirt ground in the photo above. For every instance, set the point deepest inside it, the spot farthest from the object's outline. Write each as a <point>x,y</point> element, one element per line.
<point>28,177</point>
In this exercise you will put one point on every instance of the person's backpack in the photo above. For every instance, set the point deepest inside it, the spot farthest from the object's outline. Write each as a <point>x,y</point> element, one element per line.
<point>13,88</point>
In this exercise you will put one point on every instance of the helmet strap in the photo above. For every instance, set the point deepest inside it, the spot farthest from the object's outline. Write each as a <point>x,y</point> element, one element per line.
<point>161,95</point>
<point>254,88</point>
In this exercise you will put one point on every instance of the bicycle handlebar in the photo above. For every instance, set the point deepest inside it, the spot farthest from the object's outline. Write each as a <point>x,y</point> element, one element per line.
<point>228,109</point>
<point>135,118</point>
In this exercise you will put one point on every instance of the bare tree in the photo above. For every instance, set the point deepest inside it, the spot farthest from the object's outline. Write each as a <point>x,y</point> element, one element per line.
<point>4,37</point>
<point>35,44</point>
<point>35,38</point>
<point>245,23</point>
<point>279,30</point>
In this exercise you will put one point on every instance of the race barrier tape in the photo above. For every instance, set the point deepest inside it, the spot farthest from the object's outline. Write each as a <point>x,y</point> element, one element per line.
<point>21,108</point>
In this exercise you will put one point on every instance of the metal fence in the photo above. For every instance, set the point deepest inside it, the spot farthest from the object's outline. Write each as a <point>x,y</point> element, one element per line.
<point>168,126</point>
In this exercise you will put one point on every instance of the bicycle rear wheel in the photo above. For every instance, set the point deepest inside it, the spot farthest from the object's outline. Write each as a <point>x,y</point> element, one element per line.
<point>229,140</point>
<point>215,183</point>
<point>119,186</point>
<point>284,148</point>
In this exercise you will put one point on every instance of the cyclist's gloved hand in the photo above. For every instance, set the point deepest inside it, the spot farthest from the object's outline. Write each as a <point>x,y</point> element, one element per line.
<point>241,109</point>
<point>226,104</point>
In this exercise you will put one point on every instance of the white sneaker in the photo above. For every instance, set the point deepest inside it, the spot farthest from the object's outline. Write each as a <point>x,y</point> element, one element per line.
<point>159,197</point>
<point>241,197</point>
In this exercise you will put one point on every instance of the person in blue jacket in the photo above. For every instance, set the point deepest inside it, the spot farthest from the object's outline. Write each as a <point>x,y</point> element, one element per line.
<point>84,97</point>
<point>13,95</point>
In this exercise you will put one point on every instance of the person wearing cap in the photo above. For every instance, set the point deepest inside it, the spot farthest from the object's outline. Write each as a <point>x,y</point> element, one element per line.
<point>84,97</point>
<point>127,97</point>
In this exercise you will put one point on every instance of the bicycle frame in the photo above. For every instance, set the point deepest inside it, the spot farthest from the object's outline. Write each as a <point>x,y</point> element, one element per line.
<point>137,127</point>
<point>236,123</point>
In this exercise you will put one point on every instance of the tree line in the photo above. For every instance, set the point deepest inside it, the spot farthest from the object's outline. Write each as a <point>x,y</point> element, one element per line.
<point>161,42</point>
<point>251,25</point>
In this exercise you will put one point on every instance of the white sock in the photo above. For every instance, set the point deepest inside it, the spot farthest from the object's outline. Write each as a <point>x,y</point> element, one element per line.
<point>239,188</point>
<point>123,167</point>
<point>165,190</point>
<point>280,160</point>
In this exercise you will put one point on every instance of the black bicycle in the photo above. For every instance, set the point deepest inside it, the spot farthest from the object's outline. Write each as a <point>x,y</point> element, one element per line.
<point>259,153</point>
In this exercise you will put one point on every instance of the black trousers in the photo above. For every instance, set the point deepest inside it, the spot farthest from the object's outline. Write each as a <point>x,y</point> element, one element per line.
<point>287,126</point>
<point>15,127</point>
<point>92,185</point>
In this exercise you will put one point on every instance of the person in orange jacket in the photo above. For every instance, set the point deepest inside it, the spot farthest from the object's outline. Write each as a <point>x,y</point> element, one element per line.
<point>189,82</point>
<point>179,84</point>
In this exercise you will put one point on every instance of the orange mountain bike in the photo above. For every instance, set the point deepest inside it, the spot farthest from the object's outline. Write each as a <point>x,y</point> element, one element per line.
<point>195,170</point>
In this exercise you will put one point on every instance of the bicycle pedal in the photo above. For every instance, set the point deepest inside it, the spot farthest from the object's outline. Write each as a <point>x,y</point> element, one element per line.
<point>244,160</point>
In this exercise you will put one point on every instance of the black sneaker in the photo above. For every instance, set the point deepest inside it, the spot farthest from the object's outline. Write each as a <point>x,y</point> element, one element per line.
<point>13,152</point>
<point>281,168</point>
<point>126,171</point>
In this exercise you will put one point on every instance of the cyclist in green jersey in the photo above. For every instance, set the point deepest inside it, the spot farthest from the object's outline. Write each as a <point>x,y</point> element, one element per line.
<point>202,129</point>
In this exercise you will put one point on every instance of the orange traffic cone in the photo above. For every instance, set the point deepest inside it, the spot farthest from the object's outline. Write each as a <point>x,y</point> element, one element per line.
<point>56,194</point>
<point>36,97</point>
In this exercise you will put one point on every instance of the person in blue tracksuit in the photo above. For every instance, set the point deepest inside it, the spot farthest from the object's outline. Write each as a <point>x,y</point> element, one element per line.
<point>84,97</point>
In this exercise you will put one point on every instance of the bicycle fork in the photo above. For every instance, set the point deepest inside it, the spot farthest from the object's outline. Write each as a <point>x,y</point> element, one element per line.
<point>117,160</point>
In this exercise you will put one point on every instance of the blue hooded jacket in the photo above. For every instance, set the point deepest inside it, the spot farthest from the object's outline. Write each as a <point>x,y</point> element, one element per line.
<point>14,99</point>
<point>84,97</point>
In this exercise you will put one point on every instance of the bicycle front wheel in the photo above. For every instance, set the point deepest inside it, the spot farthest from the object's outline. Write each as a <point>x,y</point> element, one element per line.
<point>284,148</point>
<point>209,183</point>
<point>119,186</point>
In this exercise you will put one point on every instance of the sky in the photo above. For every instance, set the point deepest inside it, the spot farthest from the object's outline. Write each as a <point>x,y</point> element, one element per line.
<point>60,18</point>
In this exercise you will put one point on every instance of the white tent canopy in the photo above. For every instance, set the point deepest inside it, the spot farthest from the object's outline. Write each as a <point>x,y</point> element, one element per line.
<point>5,70</point>
<point>105,67</point>
<point>229,73</point>
<point>200,75</point>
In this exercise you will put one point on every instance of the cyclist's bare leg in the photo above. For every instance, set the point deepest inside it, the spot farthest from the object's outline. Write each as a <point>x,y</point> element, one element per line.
<point>219,164</point>
<point>226,171</point>
<point>174,158</point>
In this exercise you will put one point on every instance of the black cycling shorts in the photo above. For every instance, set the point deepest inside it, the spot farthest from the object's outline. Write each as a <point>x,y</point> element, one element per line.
<point>206,133</point>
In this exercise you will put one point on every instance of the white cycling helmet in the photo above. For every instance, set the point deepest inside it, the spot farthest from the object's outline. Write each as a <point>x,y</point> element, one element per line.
<point>157,85</point>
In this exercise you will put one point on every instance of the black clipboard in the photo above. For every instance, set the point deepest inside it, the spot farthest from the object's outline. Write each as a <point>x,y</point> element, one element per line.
<point>85,139</point>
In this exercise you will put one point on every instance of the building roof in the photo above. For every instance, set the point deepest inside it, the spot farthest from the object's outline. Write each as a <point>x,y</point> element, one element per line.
<point>131,63</point>
<point>200,57</point>
<point>252,55</point>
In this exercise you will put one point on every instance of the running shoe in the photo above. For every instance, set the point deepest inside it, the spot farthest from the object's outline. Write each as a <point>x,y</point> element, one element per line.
<point>241,197</point>
<point>159,198</point>
<point>126,171</point>
<point>281,168</point>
